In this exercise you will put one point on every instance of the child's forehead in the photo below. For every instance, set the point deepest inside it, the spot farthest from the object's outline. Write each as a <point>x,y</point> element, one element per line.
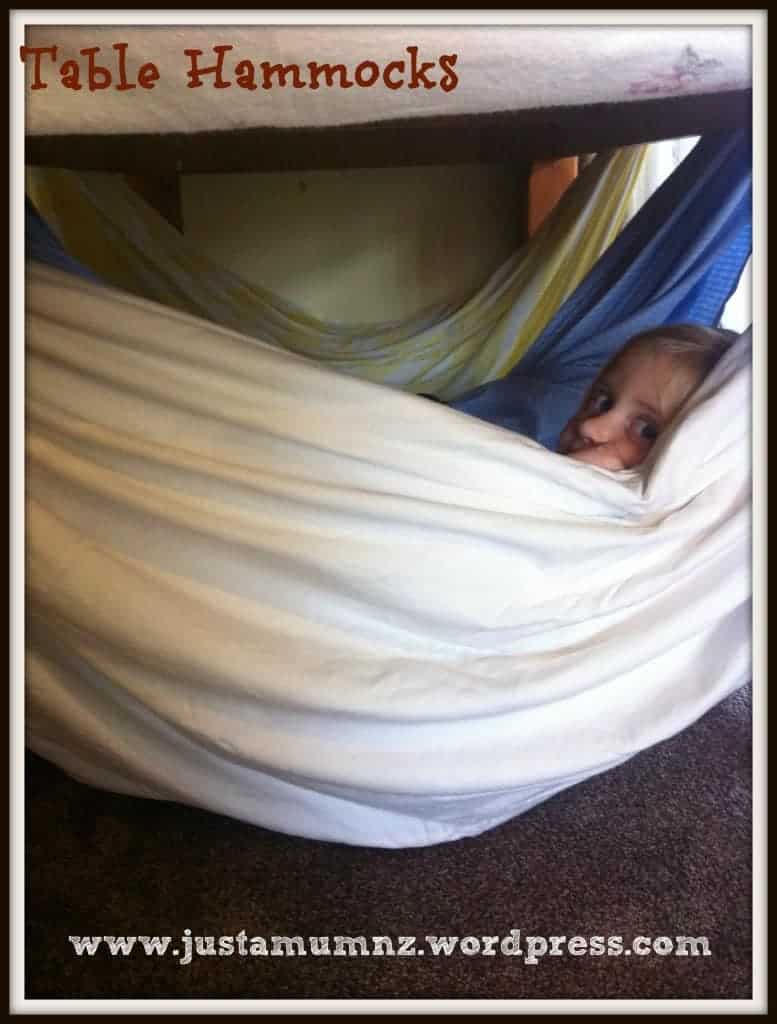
<point>653,375</point>
<point>646,359</point>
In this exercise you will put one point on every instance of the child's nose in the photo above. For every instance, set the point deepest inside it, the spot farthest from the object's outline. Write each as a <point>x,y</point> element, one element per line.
<point>600,429</point>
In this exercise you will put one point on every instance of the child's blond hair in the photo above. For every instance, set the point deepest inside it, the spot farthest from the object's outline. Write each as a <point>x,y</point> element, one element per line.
<point>703,346</point>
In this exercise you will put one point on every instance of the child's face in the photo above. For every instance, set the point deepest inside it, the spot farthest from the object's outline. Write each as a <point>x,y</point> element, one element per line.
<point>629,404</point>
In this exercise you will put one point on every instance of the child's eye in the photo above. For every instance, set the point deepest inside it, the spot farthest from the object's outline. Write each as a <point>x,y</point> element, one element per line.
<point>646,430</point>
<point>601,402</point>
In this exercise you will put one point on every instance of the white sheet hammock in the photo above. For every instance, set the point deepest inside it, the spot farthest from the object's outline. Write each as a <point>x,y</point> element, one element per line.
<point>337,610</point>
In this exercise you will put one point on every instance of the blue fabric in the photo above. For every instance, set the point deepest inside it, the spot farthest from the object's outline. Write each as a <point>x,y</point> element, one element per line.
<point>42,244</point>
<point>677,261</point>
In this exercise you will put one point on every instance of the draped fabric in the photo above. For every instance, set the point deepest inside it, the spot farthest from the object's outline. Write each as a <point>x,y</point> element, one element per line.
<point>677,261</point>
<point>42,245</point>
<point>331,608</point>
<point>108,227</point>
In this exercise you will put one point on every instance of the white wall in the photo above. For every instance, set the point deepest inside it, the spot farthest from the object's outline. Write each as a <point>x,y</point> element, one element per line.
<point>360,245</point>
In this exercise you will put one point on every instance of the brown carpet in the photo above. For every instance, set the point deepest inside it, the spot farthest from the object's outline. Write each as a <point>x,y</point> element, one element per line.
<point>658,847</point>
